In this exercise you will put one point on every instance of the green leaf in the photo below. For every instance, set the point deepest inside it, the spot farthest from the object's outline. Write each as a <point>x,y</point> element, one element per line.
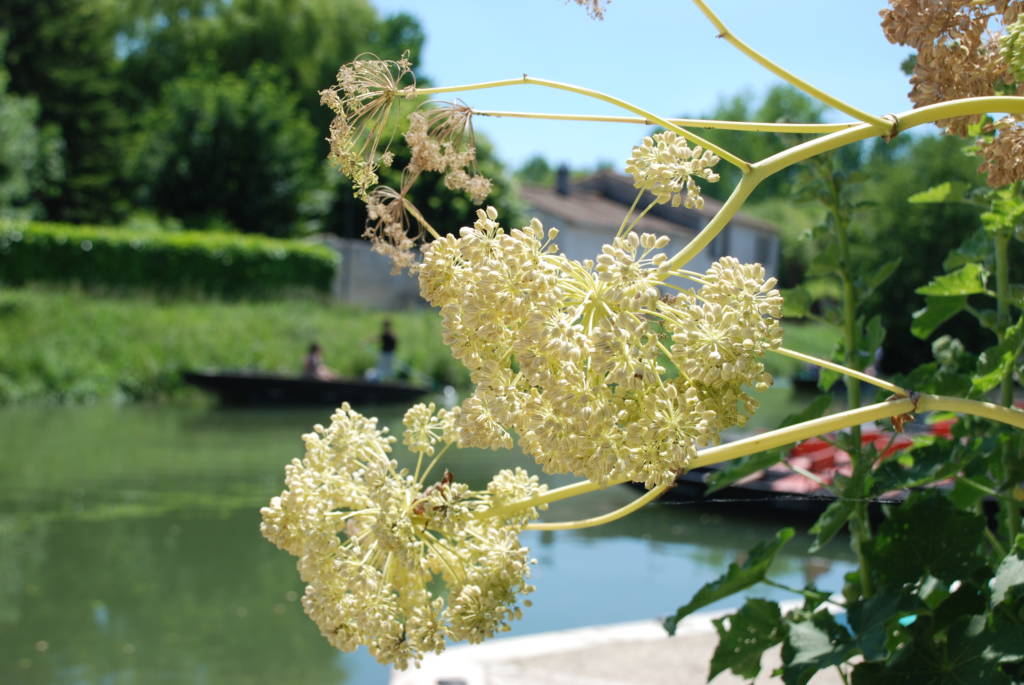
<point>967,280</point>
<point>926,534</point>
<point>872,620</point>
<point>930,463</point>
<point>742,468</point>
<point>743,637</point>
<point>812,646</point>
<point>950,191</point>
<point>937,310</point>
<point>796,302</point>
<point>830,522</point>
<point>736,578</point>
<point>876,277</point>
<point>1009,574</point>
<point>995,362</point>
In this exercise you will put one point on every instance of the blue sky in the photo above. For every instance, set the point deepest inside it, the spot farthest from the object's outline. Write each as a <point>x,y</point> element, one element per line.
<point>658,54</point>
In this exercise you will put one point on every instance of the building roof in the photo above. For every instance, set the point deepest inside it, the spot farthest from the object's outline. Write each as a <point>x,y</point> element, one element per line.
<point>604,197</point>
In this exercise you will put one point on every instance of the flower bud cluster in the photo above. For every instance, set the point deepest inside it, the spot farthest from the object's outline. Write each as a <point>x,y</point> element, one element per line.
<point>438,140</point>
<point>568,354</point>
<point>371,541</point>
<point>665,166</point>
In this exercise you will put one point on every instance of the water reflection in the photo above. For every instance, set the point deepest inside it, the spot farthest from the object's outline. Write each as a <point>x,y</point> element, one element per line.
<point>130,551</point>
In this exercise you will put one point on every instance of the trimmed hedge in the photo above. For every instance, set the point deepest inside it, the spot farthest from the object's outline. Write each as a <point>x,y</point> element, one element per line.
<point>226,264</point>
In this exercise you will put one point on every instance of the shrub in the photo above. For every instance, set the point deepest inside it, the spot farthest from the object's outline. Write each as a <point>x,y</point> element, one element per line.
<point>224,264</point>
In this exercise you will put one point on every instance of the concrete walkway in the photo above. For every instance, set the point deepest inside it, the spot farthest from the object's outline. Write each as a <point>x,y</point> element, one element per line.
<point>619,654</point>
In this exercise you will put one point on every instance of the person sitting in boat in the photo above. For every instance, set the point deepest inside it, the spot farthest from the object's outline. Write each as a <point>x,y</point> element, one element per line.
<point>314,367</point>
<point>386,360</point>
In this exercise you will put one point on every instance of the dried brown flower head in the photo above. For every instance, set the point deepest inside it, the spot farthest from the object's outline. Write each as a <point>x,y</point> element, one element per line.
<point>961,54</point>
<point>1004,154</point>
<point>362,101</point>
<point>388,226</point>
<point>595,8</point>
<point>441,140</point>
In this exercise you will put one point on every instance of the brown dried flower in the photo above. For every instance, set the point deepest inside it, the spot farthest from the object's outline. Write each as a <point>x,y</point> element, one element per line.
<point>1004,154</point>
<point>960,54</point>
<point>362,100</point>
<point>595,8</point>
<point>387,228</point>
<point>441,140</point>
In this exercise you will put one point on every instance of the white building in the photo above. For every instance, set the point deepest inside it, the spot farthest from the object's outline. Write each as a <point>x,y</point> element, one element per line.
<point>587,214</point>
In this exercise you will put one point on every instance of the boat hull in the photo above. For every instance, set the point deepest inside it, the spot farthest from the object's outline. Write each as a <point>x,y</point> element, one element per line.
<point>262,389</point>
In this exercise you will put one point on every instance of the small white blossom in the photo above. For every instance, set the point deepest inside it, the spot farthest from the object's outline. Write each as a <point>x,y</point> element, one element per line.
<point>666,166</point>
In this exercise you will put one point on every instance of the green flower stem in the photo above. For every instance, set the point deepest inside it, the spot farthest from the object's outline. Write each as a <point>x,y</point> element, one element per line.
<point>1002,249</point>
<point>804,151</point>
<point>839,368</point>
<point>649,496</point>
<point>718,124</point>
<point>653,118</point>
<point>1009,506</point>
<point>795,433</point>
<point>785,75</point>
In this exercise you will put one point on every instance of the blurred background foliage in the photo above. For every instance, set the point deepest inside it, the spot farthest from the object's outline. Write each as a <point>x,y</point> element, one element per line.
<point>197,112</point>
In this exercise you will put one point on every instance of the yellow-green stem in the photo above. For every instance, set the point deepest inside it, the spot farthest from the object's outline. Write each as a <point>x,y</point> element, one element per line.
<point>803,151</point>
<point>717,124</point>
<point>839,368</point>
<point>795,433</point>
<point>814,92</point>
<point>597,95</point>
<point>639,502</point>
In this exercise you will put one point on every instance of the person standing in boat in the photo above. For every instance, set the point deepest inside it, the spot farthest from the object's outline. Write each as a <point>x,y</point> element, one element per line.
<point>313,366</point>
<point>386,360</point>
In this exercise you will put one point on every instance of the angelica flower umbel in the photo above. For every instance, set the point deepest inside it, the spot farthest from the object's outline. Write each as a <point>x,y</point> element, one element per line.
<point>666,166</point>
<point>374,542</point>
<point>574,356</point>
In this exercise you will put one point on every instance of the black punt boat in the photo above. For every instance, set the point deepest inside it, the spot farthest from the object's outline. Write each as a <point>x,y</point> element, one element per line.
<point>256,388</point>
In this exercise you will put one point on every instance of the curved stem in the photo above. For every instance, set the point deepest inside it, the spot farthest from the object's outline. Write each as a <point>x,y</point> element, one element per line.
<point>717,124</point>
<point>649,496</point>
<point>839,368</point>
<point>739,195</point>
<point>785,75</point>
<point>743,165</point>
<point>769,165</point>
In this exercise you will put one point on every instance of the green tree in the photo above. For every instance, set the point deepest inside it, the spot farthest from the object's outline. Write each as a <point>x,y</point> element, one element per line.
<point>63,54</point>
<point>30,160</point>
<point>231,149</point>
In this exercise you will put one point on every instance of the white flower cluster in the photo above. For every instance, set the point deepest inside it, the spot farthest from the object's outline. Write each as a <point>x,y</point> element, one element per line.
<point>570,355</point>
<point>665,166</point>
<point>372,540</point>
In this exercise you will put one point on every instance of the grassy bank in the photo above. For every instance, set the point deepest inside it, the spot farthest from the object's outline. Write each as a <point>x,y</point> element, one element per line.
<point>74,347</point>
<point>61,346</point>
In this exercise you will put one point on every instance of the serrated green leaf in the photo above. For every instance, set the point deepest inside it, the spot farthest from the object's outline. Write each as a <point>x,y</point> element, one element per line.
<point>995,362</point>
<point>878,276</point>
<point>1009,574</point>
<point>736,578</point>
<point>741,468</point>
<point>812,646</point>
<point>743,637</point>
<point>967,280</point>
<point>926,534</point>
<point>950,191</point>
<point>830,522</point>
<point>872,620</point>
<point>937,311</point>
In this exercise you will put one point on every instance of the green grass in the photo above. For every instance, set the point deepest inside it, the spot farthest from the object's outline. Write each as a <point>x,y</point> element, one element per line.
<point>817,339</point>
<point>61,346</point>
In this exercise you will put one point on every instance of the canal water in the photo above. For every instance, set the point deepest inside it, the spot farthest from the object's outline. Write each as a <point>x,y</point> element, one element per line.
<point>130,551</point>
